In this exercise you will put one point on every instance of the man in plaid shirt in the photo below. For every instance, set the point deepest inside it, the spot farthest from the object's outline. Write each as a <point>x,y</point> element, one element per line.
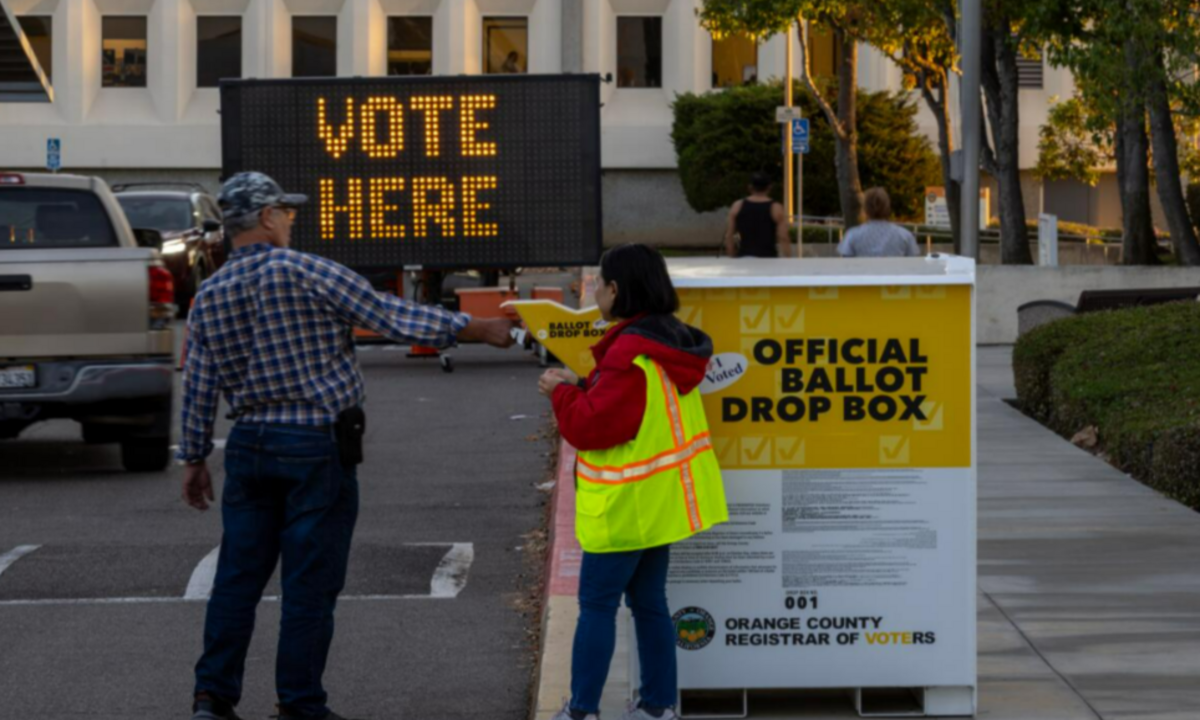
<point>273,331</point>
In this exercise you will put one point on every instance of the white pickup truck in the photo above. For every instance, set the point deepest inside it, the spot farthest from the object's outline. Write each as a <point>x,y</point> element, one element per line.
<point>85,317</point>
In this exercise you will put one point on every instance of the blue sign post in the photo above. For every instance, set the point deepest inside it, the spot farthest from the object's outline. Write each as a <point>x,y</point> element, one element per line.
<point>800,136</point>
<point>53,154</point>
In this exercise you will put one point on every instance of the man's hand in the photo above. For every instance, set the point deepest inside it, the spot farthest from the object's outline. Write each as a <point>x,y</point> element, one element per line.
<point>496,332</point>
<point>197,486</point>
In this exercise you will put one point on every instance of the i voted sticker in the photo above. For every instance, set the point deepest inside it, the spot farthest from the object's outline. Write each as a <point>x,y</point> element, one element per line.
<point>723,371</point>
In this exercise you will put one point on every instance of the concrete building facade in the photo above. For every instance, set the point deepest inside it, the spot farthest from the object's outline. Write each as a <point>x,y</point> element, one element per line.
<point>140,108</point>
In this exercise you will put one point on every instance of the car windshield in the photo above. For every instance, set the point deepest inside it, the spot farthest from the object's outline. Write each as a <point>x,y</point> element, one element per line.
<point>44,218</point>
<point>162,214</point>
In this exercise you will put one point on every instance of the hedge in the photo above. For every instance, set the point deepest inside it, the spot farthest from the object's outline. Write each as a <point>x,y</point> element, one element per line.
<point>1132,374</point>
<point>724,136</point>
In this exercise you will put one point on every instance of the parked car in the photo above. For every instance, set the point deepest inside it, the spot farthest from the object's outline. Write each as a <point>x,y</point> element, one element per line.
<point>86,315</point>
<point>190,223</point>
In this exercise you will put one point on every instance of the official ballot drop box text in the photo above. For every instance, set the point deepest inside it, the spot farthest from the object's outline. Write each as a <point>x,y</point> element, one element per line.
<point>841,403</point>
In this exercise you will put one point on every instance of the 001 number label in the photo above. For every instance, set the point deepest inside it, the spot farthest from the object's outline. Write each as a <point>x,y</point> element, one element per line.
<point>800,603</point>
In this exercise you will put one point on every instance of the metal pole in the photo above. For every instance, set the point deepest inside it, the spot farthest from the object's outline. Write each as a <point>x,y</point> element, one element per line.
<point>969,41</point>
<point>800,205</point>
<point>787,132</point>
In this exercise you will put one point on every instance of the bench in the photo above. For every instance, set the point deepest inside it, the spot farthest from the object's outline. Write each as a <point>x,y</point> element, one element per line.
<point>1039,312</point>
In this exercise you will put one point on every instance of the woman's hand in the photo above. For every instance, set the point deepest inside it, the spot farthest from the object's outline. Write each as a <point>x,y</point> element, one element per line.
<point>567,376</point>
<point>554,377</point>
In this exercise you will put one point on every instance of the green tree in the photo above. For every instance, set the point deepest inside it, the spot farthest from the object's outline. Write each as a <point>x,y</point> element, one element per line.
<point>848,20</point>
<point>1005,39</point>
<point>1075,142</point>
<point>721,138</point>
<point>918,37</point>
<point>1132,61</point>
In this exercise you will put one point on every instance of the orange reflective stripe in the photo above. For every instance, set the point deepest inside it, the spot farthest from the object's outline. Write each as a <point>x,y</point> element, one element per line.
<point>643,470</point>
<point>689,496</point>
<point>672,405</point>
<point>623,468</point>
<point>685,473</point>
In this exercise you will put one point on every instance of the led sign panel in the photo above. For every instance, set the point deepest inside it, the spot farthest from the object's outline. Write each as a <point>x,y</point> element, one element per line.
<point>445,172</point>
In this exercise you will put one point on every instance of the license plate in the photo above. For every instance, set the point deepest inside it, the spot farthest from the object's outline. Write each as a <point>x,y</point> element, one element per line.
<point>20,376</point>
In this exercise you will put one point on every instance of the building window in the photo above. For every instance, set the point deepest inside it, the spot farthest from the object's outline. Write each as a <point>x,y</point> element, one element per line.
<point>734,61</point>
<point>639,52</point>
<point>410,46</point>
<point>825,51</point>
<point>1030,72</point>
<point>38,30</point>
<point>123,46</point>
<point>218,50</point>
<point>505,46</point>
<point>314,46</point>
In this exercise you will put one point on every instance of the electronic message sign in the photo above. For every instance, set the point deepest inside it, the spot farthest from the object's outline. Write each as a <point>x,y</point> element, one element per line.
<point>442,172</point>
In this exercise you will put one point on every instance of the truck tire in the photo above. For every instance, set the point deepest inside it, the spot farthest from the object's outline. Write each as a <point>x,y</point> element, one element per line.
<point>97,434</point>
<point>9,430</point>
<point>146,454</point>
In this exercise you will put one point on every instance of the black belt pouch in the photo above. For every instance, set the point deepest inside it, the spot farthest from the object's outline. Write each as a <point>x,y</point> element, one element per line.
<point>350,428</point>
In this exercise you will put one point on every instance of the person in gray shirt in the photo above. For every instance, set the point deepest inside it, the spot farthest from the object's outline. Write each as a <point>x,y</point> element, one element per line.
<point>878,237</point>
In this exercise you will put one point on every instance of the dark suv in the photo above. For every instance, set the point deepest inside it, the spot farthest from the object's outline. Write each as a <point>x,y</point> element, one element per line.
<point>190,223</point>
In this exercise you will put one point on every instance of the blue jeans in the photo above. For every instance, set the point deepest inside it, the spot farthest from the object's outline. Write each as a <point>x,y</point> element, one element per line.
<point>286,494</point>
<point>641,576</point>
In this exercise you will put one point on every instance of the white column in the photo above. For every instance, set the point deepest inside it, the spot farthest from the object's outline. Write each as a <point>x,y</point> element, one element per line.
<point>353,51</point>
<point>377,36</point>
<point>545,33</point>
<point>78,66</point>
<point>449,49</point>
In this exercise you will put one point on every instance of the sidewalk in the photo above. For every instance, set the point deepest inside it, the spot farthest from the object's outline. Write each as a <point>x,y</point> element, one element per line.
<point>1089,585</point>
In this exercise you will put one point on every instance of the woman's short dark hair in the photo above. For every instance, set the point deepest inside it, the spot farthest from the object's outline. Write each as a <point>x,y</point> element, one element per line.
<point>877,204</point>
<point>643,284</point>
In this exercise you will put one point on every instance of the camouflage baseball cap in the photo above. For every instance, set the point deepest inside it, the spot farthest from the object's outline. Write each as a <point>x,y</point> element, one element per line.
<point>248,192</point>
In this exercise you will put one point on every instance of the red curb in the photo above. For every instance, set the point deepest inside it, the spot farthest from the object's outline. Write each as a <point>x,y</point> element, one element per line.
<point>565,553</point>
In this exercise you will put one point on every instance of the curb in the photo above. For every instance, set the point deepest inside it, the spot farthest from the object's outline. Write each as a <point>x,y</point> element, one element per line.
<point>561,609</point>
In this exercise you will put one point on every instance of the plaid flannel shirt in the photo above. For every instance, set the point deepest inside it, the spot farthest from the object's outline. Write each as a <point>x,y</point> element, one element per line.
<point>273,330</point>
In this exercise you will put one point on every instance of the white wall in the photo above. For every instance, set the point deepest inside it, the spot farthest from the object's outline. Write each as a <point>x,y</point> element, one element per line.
<point>173,124</point>
<point>1004,288</point>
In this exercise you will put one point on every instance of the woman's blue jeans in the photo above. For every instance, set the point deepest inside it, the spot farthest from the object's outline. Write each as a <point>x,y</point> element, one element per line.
<point>286,495</point>
<point>641,576</point>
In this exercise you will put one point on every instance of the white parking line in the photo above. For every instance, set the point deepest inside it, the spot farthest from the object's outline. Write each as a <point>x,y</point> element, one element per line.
<point>200,585</point>
<point>450,577</point>
<point>180,600</point>
<point>10,557</point>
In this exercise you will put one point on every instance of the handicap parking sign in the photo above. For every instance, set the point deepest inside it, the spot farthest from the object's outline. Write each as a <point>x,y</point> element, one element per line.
<point>53,154</point>
<point>800,135</point>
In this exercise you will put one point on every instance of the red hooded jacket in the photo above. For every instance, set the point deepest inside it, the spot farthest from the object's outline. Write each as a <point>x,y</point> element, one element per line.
<point>607,411</point>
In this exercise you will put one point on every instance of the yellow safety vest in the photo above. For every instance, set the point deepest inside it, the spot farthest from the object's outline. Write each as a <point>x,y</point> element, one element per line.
<point>661,487</point>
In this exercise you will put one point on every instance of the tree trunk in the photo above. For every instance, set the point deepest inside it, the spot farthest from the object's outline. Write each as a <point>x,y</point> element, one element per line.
<point>1166,168</point>
<point>1001,87</point>
<point>941,112</point>
<point>846,158</point>
<point>1133,177</point>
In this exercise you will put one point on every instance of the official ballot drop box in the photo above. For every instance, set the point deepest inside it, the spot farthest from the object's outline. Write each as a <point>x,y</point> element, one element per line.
<point>841,402</point>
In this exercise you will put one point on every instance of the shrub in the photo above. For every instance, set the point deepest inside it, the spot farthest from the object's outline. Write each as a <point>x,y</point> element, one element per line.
<point>1174,465</point>
<point>1134,375</point>
<point>722,137</point>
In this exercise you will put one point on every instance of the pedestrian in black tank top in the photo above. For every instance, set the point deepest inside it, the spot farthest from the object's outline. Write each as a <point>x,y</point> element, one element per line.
<point>760,222</point>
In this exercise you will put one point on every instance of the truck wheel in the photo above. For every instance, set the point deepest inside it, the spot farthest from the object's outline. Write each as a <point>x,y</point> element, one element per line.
<point>146,454</point>
<point>9,430</point>
<point>96,434</point>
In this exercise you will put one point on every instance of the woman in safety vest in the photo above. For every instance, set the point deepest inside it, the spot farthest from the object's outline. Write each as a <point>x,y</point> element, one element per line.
<point>646,475</point>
